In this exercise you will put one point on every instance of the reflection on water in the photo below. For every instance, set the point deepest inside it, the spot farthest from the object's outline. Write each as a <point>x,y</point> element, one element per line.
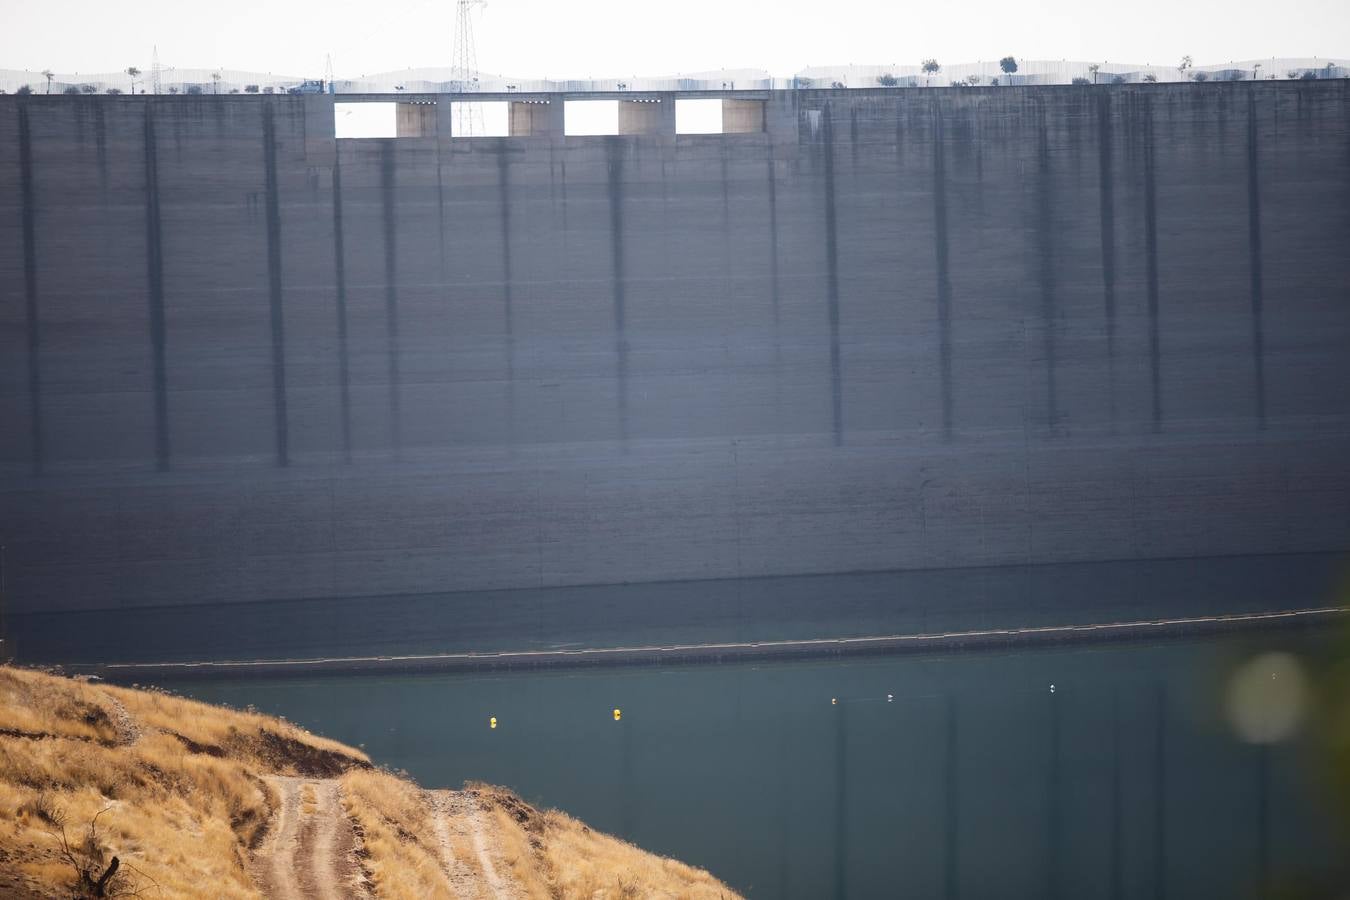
<point>959,776</point>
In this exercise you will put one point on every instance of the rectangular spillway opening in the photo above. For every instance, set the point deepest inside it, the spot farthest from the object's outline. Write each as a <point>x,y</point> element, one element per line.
<point>698,116</point>
<point>590,117</point>
<point>365,120</point>
<point>480,118</point>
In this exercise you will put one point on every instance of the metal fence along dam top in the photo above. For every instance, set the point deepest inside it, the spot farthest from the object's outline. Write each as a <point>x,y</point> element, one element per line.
<point>861,331</point>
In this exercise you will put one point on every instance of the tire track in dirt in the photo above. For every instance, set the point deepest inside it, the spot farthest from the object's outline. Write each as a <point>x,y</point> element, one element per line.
<point>310,850</point>
<point>463,879</point>
<point>461,821</point>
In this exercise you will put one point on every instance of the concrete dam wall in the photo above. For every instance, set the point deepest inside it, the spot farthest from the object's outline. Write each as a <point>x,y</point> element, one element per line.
<point>242,360</point>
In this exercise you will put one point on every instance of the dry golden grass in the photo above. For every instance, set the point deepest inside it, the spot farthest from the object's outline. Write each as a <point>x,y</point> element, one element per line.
<point>180,794</point>
<point>243,735</point>
<point>34,704</point>
<point>395,817</point>
<point>520,833</point>
<point>180,814</point>
<point>552,855</point>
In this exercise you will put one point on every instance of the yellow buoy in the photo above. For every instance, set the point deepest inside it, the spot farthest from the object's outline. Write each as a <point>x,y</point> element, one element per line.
<point>492,722</point>
<point>618,714</point>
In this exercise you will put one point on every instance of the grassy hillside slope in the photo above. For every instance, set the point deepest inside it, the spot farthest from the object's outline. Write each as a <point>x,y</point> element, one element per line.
<point>196,800</point>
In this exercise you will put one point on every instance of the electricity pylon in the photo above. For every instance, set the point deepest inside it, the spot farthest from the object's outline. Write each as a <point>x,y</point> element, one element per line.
<point>469,116</point>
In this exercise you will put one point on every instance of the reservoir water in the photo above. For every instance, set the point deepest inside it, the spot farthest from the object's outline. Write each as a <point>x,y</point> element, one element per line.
<point>1077,773</point>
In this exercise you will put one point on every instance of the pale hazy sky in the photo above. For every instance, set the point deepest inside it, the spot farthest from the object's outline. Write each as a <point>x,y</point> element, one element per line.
<point>549,38</point>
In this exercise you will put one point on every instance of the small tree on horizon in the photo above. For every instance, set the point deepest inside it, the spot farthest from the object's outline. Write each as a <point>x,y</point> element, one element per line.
<point>1093,69</point>
<point>48,74</point>
<point>24,90</point>
<point>1185,64</point>
<point>1009,66</point>
<point>887,80</point>
<point>1200,76</point>
<point>1079,79</point>
<point>134,73</point>
<point>215,78</point>
<point>930,68</point>
<point>1150,78</point>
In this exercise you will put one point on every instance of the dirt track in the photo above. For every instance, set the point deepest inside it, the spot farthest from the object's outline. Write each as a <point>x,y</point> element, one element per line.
<point>310,850</point>
<point>468,849</point>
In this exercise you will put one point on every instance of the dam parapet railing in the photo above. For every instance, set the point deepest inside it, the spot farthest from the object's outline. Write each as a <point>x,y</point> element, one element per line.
<point>780,117</point>
<point>439,80</point>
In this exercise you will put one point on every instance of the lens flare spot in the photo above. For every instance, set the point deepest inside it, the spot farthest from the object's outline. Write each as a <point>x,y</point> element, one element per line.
<point>1267,698</point>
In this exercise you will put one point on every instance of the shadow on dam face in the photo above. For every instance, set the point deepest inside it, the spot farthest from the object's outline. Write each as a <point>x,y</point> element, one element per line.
<point>882,330</point>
